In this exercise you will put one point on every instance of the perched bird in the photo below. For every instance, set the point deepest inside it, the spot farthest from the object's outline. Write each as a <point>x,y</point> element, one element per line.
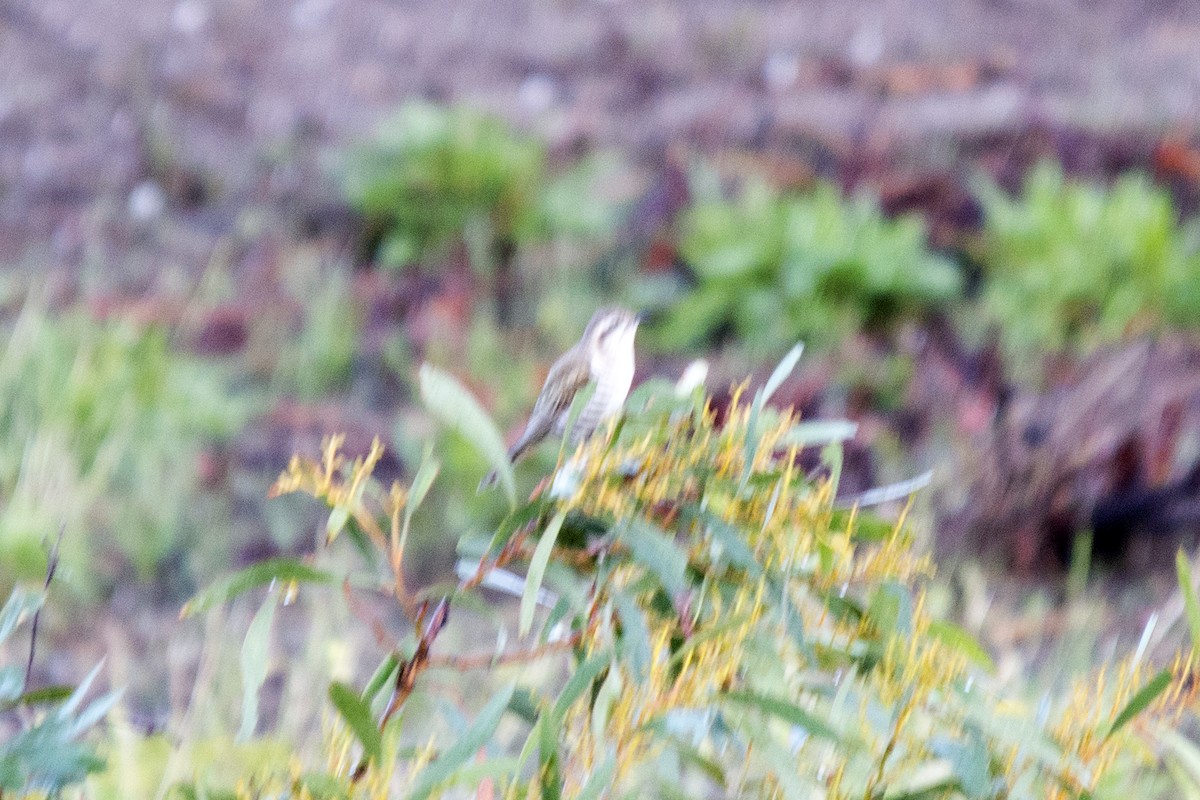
<point>604,356</point>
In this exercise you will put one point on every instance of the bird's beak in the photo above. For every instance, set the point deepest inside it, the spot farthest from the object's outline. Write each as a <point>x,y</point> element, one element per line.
<point>639,318</point>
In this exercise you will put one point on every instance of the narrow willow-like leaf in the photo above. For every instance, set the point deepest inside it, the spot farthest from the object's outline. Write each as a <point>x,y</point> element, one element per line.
<point>778,376</point>
<point>819,432</point>
<point>656,550</point>
<point>782,371</point>
<point>225,589</point>
<point>357,716</point>
<point>456,408</point>
<point>1185,752</point>
<point>255,655</point>
<point>1187,588</point>
<point>72,703</point>
<point>1145,696</point>
<point>786,711</point>
<point>421,483</point>
<point>969,760</point>
<point>832,456</point>
<point>338,519</point>
<point>635,635</point>
<point>46,694</point>
<point>537,571</point>
<point>580,680</point>
<point>476,736</point>
<point>891,609</point>
<point>732,543</point>
<point>94,712</point>
<point>601,778</point>
<point>955,637</point>
<point>383,674</point>
<point>21,604</point>
<point>548,756</point>
<point>12,682</point>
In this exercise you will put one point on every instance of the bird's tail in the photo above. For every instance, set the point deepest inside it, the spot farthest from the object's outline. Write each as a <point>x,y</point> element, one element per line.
<point>514,452</point>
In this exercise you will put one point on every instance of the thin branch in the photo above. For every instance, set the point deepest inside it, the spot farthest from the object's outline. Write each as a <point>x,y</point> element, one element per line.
<point>485,660</point>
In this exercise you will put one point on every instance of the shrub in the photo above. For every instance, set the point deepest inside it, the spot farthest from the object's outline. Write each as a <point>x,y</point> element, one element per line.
<point>1071,265</point>
<point>814,266</point>
<point>715,628</point>
<point>434,175</point>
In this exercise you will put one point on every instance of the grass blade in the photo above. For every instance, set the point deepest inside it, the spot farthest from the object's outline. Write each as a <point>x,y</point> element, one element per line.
<point>537,571</point>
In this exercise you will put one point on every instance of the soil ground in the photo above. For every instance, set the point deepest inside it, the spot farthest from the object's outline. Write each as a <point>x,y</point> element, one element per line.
<point>134,136</point>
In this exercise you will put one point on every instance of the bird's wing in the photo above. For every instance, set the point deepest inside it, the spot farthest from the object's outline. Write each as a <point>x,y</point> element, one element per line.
<point>568,375</point>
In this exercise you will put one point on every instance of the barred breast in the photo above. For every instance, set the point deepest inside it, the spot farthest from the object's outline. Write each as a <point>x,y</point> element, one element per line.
<point>612,387</point>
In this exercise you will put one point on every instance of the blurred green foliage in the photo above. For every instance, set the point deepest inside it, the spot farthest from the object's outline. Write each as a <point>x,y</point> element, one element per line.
<point>1070,265</point>
<point>437,175</point>
<point>44,752</point>
<point>815,266</point>
<point>102,425</point>
<point>318,358</point>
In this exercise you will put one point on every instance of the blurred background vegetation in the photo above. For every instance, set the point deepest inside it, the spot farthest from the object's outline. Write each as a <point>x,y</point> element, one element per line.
<point>1017,310</point>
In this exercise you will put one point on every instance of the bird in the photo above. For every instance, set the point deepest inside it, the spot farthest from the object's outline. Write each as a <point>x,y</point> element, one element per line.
<point>603,356</point>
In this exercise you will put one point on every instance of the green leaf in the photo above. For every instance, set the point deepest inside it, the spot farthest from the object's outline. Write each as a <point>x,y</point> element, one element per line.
<point>582,678</point>
<point>537,571</point>
<point>12,682</point>
<point>548,756</point>
<point>21,604</point>
<point>601,778</point>
<point>955,637</point>
<point>476,736</point>
<point>383,674</point>
<point>780,374</point>
<point>255,655</point>
<point>891,609</point>
<point>730,541</point>
<point>225,589</point>
<point>969,760</point>
<point>95,711</point>
<point>357,716</point>
<point>46,694</point>
<point>656,550</point>
<point>456,408</point>
<point>1187,587</point>
<point>338,517</point>
<point>635,634</point>
<point>820,432</point>
<point>421,483</point>
<point>1145,696</point>
<point>785,711</point>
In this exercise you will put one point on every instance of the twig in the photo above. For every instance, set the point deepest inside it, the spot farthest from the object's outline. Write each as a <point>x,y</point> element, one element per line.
<point>485,660</point>
<point>51,568</point>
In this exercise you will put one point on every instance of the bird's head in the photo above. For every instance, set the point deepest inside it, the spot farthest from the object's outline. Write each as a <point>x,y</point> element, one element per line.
<point>609,336</point>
